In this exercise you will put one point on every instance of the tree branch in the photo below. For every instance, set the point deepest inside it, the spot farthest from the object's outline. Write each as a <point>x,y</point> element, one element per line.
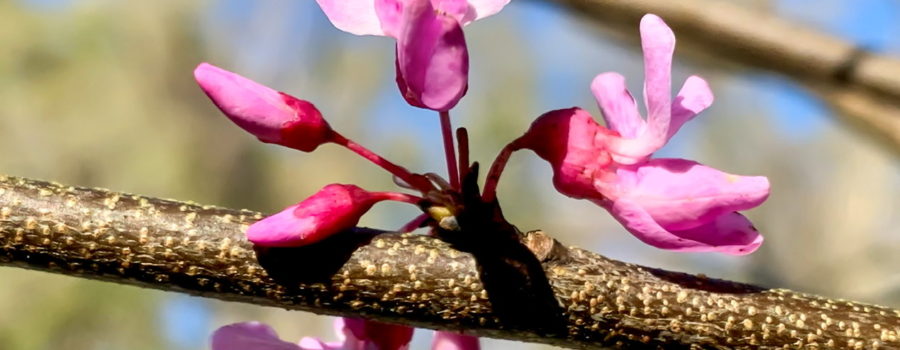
<point>828,65</point>
<point>409,279</point>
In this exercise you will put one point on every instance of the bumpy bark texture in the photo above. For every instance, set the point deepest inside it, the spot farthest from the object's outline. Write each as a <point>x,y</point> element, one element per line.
<point>411,279</point>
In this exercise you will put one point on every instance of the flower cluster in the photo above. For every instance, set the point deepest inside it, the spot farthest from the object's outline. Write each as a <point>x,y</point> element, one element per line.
<point>673,204</point>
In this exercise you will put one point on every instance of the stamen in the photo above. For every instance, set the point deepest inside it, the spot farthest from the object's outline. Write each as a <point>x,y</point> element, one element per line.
<point>400,183</point>
<point>438,180</point>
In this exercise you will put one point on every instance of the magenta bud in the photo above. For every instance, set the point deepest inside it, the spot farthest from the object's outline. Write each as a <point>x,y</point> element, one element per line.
<point>333,209</point>
<point>272,116</point>
<point>432,58</point>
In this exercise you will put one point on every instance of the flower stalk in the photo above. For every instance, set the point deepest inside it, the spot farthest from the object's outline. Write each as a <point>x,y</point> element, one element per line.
<point>449,150</point>
<point>400,172</point>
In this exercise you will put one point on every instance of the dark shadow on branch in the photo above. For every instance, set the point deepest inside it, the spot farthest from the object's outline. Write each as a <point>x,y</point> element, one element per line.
<point>313,263</point>
<point>516,284</point>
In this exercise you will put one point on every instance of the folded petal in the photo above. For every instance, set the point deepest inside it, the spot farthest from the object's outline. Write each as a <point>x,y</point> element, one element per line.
<point>311,343</point>
<point>454,341</point>
<point>619,109</point>
<point>353,16</point>
<point>382,17</point>
<point>432,58</point>
<point>333,209</point>
<point>249,336</point>
<point>391,14</point>
<point>694,97</point>
<point>271,116</point>
<point>680,194</point>
<point>572,142</point>
<point>395,15</point>
<point>730,233</point>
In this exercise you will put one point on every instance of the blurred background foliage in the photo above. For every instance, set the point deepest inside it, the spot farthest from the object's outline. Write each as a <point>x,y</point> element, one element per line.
<point>100,93</point>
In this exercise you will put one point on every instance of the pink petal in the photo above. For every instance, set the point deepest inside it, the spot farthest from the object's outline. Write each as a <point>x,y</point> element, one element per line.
<point>311,343</point>
<point>432,59</point>
<point>571,141</point>
<point>479,9</point>
<point>353,16</point>
<point>352,328</point>
<point>377,335</point>
<point>658,44</point>
<point>619,109</point>
<point>271,116</point>
<point>694,97</point>
<point>730,233</point>
<point>391,14</point>
<point>249,336</point>
<point>333,209</point>
<point>454,341</point>
<point>395,15</point>
<point>680,194</point>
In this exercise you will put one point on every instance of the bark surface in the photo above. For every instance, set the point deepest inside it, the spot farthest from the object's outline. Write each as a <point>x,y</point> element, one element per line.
<point>411,279</point>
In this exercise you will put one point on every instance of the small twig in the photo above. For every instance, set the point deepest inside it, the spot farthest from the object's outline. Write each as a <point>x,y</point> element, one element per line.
<point>409,279</point>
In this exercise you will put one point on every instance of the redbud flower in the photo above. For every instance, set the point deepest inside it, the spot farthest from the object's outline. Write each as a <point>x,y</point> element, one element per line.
<point>272,116</point>
<point>641,138</point>
<point>333,209</point>
<point>432,58</point>
<point>354,334</point>
<point>673,204</point>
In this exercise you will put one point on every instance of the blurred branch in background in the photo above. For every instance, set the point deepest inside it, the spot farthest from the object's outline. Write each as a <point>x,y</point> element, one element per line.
<point>409,279</point>
<point>860,85</point>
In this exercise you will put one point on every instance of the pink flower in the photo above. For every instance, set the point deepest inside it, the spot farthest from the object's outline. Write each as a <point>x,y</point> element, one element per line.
<point>354,334</point>
<point>673,204</point>
<point>272,116</point>
<point>432,58</point>
<point>333,209</point>
<point>641,138</point>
